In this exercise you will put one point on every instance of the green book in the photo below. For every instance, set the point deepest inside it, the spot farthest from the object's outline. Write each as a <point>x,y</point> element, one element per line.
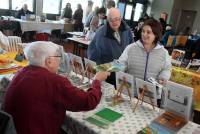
<point>104,117</point>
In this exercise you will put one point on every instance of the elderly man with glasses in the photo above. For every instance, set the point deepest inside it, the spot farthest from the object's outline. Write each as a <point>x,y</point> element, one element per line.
<point>110,40</point>
<point>38,98</point>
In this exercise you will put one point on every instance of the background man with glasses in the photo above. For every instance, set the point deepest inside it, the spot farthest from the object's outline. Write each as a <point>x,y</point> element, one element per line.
<point>110,40</point>
<point>38,98</point>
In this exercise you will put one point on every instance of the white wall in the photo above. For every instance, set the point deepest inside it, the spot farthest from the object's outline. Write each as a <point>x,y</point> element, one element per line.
<point>159,6</point>
<point>187,5</point>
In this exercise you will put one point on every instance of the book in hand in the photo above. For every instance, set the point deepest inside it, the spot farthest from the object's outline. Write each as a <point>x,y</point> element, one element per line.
<point>110,67</point>
<point>104,117</point>
<point>169,122</point>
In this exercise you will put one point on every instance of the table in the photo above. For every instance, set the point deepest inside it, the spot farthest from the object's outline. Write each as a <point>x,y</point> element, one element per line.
<point>11,56</point>
<point>188,78</point>
<point>76,33</point>
<point>79,43</point>
<point>129,123</point>
<point>39,26</point>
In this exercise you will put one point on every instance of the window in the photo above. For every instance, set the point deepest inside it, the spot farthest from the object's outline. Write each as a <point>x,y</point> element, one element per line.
<point>17,4</point>
<point>51,6</point>
<point>121,7</point>
<point>4,4</point>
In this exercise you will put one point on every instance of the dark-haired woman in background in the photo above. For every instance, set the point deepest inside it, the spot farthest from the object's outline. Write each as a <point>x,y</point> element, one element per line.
<point>67,12</point>
<point>77,17</point>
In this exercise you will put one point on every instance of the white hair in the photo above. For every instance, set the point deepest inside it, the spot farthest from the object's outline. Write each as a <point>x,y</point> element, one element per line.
<point>37,52</point>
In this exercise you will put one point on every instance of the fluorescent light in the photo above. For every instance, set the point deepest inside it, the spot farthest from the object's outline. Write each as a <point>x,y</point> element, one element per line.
<point>138,11</point>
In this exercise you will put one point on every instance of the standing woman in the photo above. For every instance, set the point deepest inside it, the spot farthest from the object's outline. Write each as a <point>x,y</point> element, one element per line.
<point>147,57</point>
<point>77,17</point>
<point>67,12</point>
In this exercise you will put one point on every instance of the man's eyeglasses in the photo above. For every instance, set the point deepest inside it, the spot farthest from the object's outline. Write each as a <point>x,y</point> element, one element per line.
<point>114,19</point>
<point>59,56</point>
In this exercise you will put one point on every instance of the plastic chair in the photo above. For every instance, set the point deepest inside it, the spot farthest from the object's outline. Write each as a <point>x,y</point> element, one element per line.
<point>170,41</point>
<point>42,37</point>
<point>181,40</point>
<point>10,43</point>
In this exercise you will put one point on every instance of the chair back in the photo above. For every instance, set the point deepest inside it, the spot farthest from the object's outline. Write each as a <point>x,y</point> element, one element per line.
<point>10,43</point>
<point>170,41</point>
<point>6,124</point>
<point>4,42</point>
<point>41,37</point>
<point>181,40</point>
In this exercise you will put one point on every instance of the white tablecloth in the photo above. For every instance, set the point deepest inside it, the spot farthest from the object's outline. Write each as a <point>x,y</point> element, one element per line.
<point>130,123</point>
<point>39,26</point>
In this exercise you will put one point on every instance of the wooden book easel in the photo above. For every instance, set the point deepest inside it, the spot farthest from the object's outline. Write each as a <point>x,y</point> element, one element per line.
<point>124,85</point>
<point>141,97</point>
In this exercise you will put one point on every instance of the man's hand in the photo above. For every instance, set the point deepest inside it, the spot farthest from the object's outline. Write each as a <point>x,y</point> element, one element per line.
<point>101,76</point>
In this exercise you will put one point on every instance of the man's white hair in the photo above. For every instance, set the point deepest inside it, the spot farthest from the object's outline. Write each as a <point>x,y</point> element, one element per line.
<point>37,52</point>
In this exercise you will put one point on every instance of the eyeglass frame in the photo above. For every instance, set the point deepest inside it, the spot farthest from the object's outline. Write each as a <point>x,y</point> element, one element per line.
<point>59,56</point>
<point>112,20</point>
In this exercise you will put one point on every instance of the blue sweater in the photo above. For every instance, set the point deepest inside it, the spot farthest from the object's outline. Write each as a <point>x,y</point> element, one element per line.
<point>105,48</point>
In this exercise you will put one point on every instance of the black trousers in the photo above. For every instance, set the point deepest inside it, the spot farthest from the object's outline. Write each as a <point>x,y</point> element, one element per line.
<point>112,79</point>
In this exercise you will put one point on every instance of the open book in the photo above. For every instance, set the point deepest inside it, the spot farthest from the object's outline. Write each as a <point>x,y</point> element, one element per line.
<point>104,117</point>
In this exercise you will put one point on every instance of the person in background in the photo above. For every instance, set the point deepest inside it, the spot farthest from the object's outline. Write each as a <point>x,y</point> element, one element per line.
<point>67,12</point>
<point>88,10</point>
<point>90,16</point>
<point>23,11</point>
<point>77,17</point>
<point>95,23</point>
<point>138,29</point>
<point>40,109</point>
<point>196,51</point>
<point>185,31</point>
<point>110,40</point>
<point>167,33</point>
<point>109,4</point>
<point>163,23</point>
<point>146,57</point>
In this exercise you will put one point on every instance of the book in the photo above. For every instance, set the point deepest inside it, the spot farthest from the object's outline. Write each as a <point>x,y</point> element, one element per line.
<point>110,67</point>
<point>194,65</point>
<point>150,96</point>
<point>177,57</point>
<point>154,128</point>
<point>104,117</point>
<point>125,83</point>
<point>170,122</point>
<point>178,99</point>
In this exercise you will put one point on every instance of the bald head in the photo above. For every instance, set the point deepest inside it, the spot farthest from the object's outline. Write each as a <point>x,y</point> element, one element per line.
<point>114,18</point>
<point>113,13</point>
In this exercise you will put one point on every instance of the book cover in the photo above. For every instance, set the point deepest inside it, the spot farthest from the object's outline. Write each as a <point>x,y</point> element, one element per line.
<point>171,122</point>
<point>110,67</point>
<point>154,128</point>
<point>104,117</point>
